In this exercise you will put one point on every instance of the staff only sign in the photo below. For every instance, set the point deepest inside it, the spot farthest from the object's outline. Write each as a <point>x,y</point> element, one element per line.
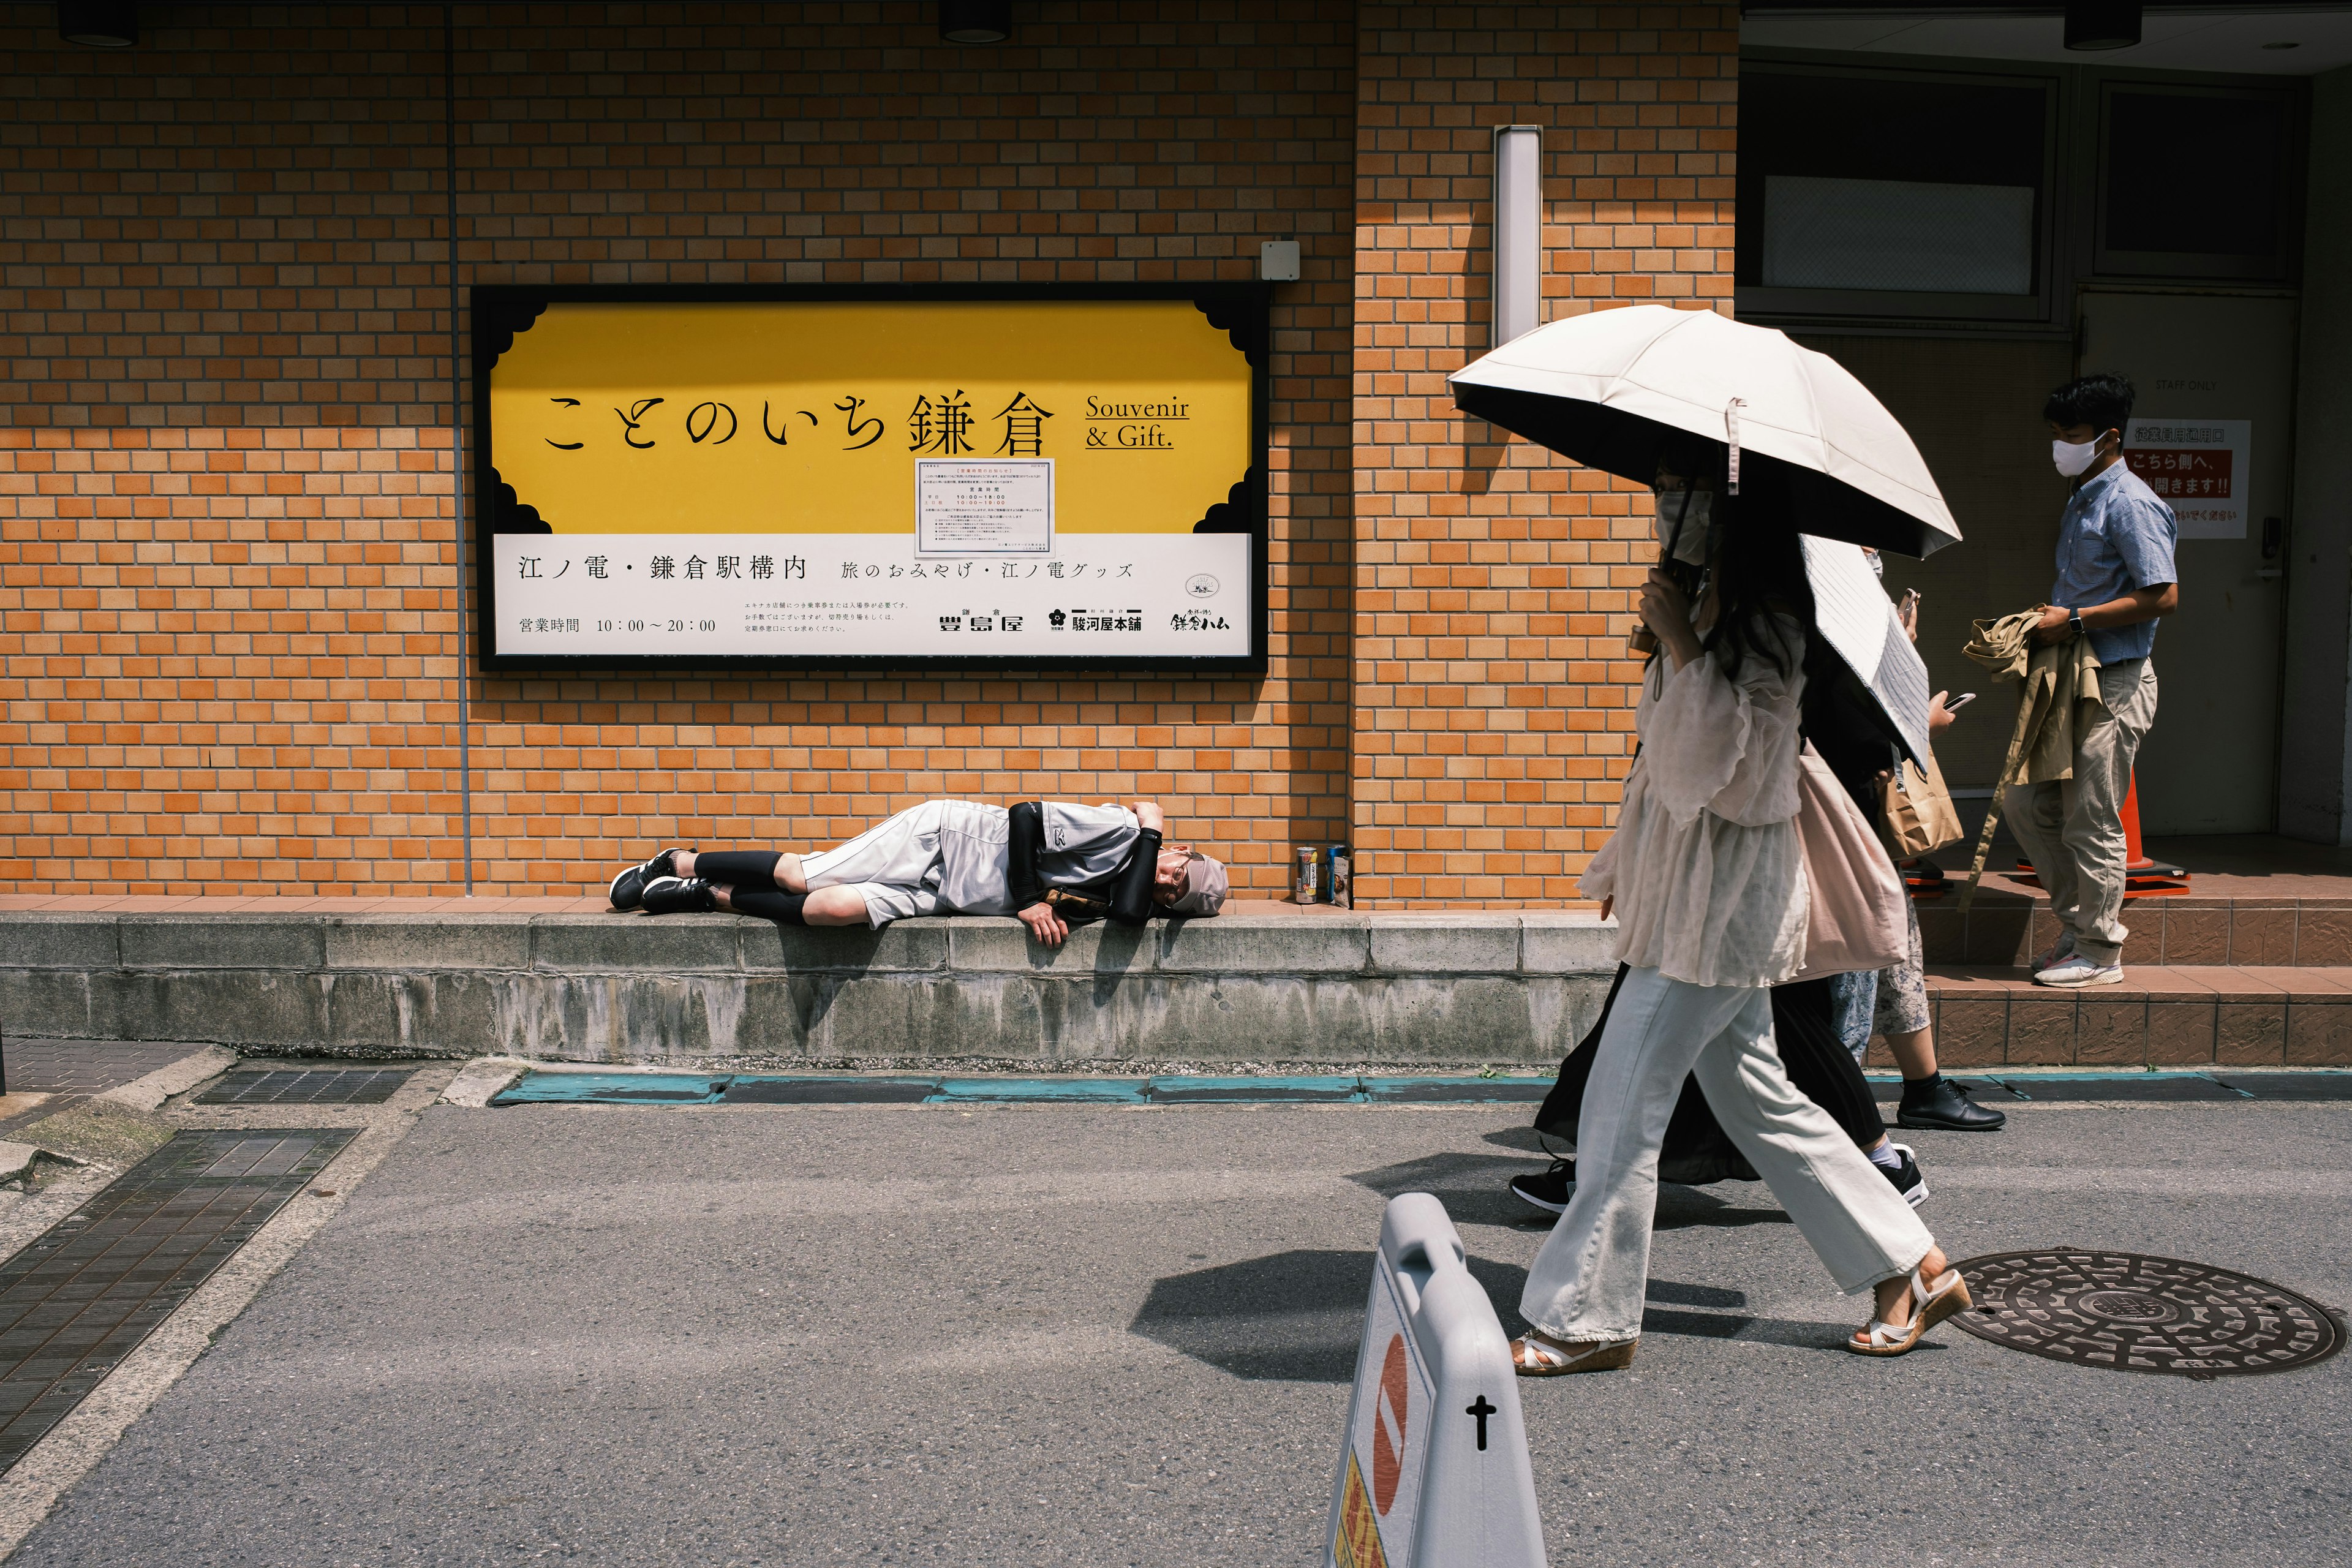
<point>833,477</point>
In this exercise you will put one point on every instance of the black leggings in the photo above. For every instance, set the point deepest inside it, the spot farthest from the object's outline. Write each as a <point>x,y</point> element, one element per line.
<point>1819,1064</point>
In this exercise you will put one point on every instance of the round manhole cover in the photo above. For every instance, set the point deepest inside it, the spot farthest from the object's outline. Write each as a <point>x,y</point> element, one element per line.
<point>2144,1314</point>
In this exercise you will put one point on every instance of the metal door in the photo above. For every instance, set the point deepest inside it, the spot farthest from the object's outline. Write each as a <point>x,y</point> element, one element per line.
<point>2210,763</point>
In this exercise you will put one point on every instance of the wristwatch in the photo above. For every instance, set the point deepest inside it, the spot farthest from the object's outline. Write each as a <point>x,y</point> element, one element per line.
<point>2074,622</point>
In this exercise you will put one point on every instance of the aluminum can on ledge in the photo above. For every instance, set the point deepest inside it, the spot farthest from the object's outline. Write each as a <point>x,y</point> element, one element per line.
<point>1310,875</point>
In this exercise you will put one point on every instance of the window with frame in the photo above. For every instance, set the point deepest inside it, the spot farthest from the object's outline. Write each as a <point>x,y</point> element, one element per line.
<point>1894,193</point>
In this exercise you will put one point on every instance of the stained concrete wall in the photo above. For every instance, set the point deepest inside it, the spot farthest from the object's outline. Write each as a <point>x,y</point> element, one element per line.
<point>2316,740</point>
<point>1472,987</point>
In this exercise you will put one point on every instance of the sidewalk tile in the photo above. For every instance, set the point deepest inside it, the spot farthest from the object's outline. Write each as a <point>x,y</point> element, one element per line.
<point>2250,1033</point>
<point>2322,936</point>
<point>2193,935</point>
<point>2319,1033</point>
<point>2111,1031</point>
<point>2181,1034</point>
<point>2041,1030</point>
<point>2261,935</point>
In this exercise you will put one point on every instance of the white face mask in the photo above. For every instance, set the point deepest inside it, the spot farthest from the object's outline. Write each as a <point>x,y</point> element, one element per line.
<point>2073,459</point>
<point>1690,544</point>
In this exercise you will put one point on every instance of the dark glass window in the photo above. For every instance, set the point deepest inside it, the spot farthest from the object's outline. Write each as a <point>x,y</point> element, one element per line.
<point>2196,174</point>
<point>1894,184</point>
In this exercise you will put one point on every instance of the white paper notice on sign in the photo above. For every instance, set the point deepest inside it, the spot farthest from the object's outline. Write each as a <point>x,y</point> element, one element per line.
<point>1380,1488</point>
<point>972,508</point>
<point>2202,469</point>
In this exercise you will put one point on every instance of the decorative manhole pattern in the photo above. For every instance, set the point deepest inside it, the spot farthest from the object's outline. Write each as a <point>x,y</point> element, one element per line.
<point>2121,1309</point>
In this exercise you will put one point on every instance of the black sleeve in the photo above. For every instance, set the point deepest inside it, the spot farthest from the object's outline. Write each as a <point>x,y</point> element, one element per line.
<point>1130,904</point>
<point>1025,842</point>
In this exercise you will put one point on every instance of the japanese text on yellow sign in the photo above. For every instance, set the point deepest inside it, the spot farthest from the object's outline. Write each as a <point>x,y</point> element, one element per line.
<point>773,417</point>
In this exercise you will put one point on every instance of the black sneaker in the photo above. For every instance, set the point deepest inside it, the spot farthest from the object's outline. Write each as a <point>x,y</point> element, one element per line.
<point>1946,1107</point>
<point>1549,1192</point>
<point>678,896</point>
<point>1905,1179</point>
<point>628,890</point>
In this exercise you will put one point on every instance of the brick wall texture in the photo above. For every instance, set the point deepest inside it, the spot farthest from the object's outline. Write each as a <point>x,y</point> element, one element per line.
<point>228,570</point>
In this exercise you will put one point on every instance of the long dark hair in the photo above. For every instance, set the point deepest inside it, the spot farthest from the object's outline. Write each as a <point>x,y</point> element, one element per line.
<point>1759,573</point>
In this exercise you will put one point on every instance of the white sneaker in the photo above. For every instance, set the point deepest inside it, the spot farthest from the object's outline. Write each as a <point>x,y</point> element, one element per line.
<point>2076,971</point>
<point>2057,952</point>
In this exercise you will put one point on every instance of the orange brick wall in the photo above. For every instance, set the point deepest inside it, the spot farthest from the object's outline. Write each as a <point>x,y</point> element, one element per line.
<point>1492,691</point>
<point>227,571</point>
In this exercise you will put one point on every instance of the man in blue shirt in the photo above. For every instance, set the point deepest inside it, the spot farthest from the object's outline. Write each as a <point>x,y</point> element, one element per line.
<point>2116,578</point>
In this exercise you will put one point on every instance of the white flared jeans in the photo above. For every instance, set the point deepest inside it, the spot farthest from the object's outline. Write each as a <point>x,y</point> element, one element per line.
<point>1589,1280</point>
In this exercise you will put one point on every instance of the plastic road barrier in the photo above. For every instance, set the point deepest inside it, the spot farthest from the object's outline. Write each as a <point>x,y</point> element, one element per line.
<point>1434,1472</point>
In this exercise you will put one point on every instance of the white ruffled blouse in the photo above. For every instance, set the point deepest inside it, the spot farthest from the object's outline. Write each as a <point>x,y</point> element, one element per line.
<point>1705,865</point>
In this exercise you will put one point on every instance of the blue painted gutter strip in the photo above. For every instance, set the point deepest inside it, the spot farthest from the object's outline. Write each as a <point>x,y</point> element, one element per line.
<point>1044,1090</point>
<point>561,1086</point>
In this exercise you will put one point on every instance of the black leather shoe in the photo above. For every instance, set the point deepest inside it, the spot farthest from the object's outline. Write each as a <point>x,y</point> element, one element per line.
<point>628,889</point>
<point>678,896</point>
<point>1946,1107</point>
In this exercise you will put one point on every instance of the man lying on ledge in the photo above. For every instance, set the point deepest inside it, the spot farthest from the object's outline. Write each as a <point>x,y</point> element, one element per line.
<point>1050,862</point>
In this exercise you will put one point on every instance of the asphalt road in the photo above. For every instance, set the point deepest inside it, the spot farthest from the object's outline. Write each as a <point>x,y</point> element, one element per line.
<point>1045,1335</point>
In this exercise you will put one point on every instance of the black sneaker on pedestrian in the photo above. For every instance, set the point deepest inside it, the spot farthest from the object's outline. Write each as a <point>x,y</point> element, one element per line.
<point>1907,1179</point>
<point>1549,1192</point>
<point>628,890</point>
<point>1945,1107</point>
<point>678,896</point>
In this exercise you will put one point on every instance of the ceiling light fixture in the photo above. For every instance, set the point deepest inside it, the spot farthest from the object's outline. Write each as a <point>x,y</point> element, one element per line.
<point>975,21</point>
<point>2102,23</point>
<point>98,24</point>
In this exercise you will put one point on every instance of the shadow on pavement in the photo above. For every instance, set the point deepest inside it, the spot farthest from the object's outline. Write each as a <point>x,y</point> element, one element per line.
<point>1298,1316</point>
<point>1476,1190</point>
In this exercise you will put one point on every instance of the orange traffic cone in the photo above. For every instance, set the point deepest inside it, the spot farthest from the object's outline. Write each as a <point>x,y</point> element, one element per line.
<point>2143,878</point>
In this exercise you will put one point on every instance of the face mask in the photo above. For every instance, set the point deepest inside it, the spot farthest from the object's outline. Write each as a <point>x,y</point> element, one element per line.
<point>2072,459</point>
<point>1692,509</point>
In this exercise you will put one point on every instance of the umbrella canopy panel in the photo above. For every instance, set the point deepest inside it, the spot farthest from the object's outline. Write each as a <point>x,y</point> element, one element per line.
<point>1623,390</point>
<point>1851,614</point>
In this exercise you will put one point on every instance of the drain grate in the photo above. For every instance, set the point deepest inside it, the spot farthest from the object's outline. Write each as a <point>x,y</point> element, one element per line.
<point>2133,1313</point>
<point>299,1085</point>
<point>84,1295</point>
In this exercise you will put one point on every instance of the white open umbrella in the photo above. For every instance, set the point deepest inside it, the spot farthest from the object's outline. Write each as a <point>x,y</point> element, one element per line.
<point>1852,613</point>
<point>1617,390</point>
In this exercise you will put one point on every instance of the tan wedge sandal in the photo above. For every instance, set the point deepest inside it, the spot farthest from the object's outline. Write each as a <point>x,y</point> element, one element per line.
<point>1536,1355</point>
<point>1930,1305</point>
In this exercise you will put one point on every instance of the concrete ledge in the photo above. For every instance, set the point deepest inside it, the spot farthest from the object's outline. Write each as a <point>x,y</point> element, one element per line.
<point>1259,984</point>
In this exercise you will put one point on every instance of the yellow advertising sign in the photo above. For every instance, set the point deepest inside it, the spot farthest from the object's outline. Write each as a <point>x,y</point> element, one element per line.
<point>812,416</point>
<point>969,477</point>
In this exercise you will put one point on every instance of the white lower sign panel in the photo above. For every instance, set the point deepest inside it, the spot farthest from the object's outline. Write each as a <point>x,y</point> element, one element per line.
<point>870,596</point>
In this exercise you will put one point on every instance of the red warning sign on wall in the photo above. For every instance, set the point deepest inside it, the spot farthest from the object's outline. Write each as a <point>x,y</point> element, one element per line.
<point>2202,469</point>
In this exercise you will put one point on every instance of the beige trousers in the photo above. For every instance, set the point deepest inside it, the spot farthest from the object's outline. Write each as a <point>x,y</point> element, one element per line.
<point>2072,830</point>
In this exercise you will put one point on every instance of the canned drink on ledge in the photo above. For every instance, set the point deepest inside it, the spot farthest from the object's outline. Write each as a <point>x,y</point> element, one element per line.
<point>1343,878</point>
<point>1307,874</point>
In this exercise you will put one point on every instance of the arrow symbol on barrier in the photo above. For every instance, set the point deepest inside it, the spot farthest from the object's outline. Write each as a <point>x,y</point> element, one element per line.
<point>1481,1411</point>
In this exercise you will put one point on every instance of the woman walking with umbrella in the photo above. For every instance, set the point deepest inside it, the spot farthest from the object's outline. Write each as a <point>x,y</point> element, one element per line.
<point>1706,867</point>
